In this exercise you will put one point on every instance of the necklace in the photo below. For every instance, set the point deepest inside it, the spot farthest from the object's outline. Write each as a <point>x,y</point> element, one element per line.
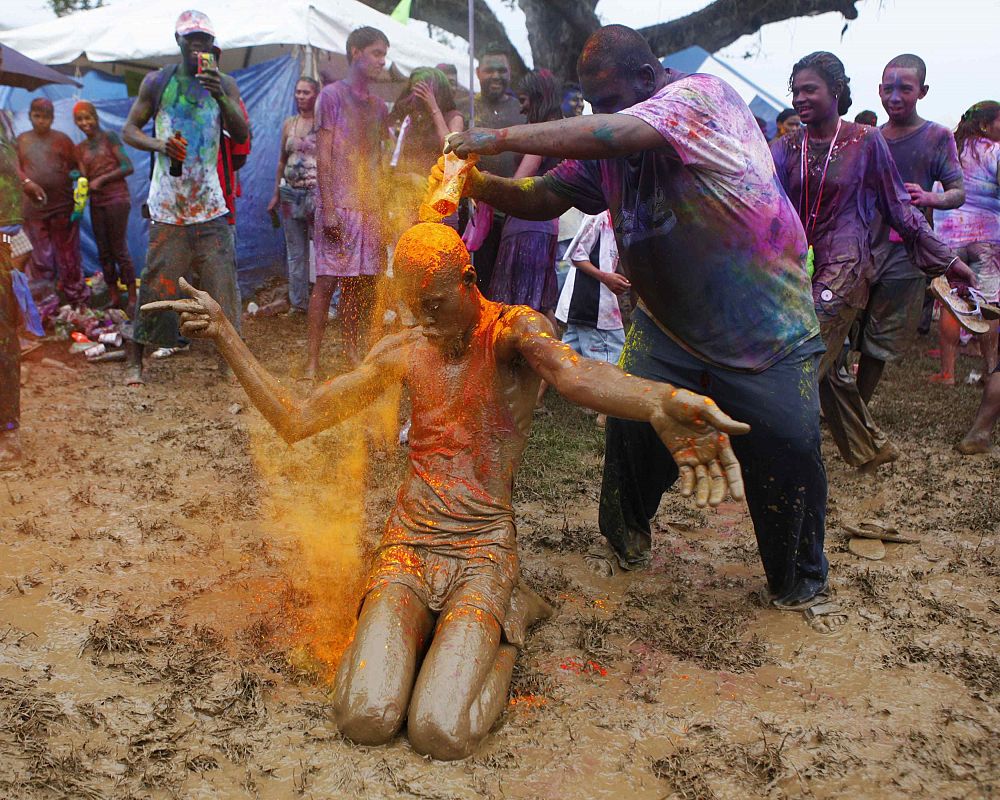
<point>809,221</point>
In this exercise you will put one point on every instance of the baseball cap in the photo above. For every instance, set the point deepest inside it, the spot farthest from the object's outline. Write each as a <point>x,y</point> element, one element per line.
<point>194,22</point>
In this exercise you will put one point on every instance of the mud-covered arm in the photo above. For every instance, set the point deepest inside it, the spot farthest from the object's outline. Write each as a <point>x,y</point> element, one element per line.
<point>692,427</point>
<point>294,418</point>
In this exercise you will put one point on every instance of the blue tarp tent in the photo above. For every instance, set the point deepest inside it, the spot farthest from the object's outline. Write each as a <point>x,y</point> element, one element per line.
<point>267,90</point>
<point>697,59</point>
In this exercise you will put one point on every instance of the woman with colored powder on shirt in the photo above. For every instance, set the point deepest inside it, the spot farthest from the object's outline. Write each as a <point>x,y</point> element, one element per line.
<point>840,175</point>
<point>422,117</point>
<point>294,188</point>
<point>974,228</point>
<point>525,271</point>
<point>105,165</point>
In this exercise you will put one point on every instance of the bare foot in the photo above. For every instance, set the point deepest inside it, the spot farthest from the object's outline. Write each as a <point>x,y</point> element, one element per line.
<point>11,452</point>
<point>886,455</point>
<point>826,618</point>
<point>133,376</point>
<point>526,607</point>
<point>972,445</point>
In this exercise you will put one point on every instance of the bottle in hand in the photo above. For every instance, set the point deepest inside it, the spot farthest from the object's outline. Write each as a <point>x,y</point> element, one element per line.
<point>176,166</point>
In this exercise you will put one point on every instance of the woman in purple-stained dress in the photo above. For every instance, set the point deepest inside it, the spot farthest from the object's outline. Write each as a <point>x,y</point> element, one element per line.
<point>525,271</point>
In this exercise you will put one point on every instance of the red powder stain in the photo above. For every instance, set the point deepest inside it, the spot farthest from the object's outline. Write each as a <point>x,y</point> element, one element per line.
<point>168,284</point>
<point>528,700</point>
<point>583,668</point>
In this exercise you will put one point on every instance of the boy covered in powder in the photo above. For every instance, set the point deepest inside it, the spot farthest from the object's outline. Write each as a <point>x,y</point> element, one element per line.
<point>924,152</point>
<point>443,612</point>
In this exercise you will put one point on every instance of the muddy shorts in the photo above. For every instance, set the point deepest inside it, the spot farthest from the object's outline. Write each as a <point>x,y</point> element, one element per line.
<point>889,321</point>
<point>205,255</point>
<point>444,581</point>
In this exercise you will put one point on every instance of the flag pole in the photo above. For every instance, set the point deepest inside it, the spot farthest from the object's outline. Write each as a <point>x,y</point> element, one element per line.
<point>472,63</point>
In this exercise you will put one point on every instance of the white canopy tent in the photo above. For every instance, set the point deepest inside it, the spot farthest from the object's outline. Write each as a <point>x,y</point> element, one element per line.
<point>130,34</point>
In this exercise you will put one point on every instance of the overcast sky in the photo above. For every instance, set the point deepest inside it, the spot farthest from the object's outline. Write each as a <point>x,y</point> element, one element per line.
<point>958,39</point>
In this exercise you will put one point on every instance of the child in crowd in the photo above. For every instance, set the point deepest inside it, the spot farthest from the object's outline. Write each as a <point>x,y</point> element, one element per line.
<point>47,157</point>
<point>588,305</point>
<point>924,153</point>
<point>105,165</point>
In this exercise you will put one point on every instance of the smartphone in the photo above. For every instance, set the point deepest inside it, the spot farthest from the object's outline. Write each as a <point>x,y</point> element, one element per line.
<point>206,61</point>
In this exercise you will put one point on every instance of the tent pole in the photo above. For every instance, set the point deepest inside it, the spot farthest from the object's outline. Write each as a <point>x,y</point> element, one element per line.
<point>472,62</point>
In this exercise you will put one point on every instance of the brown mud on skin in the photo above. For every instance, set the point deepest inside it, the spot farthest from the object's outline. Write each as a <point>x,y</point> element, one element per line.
<point>150,575</point>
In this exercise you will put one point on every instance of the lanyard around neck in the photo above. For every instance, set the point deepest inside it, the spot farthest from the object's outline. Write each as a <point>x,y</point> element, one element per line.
<point>809,221</point>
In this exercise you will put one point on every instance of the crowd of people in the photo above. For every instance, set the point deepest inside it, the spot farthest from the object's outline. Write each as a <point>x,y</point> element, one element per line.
<point>707,259</point>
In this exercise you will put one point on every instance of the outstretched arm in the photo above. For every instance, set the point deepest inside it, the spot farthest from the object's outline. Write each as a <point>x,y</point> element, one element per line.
<point>292,417</point>
<point>527,198</point>
<point>692,427</point>
<point>591,137</point>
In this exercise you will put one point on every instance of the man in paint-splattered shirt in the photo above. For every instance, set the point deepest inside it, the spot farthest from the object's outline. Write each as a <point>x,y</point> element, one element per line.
<point>189,104</point>
<point>716,254</point>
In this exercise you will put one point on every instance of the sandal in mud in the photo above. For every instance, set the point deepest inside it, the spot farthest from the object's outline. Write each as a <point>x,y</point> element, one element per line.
<point>872,529</point>
<point>872,549</point>
<point>825,594</point>
<point>967,312</point>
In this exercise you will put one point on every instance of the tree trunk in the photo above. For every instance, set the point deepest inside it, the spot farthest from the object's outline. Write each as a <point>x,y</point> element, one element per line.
<point>557,30</point>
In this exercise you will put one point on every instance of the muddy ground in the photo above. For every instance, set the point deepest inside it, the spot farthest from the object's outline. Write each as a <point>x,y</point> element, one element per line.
<point>157,583</point>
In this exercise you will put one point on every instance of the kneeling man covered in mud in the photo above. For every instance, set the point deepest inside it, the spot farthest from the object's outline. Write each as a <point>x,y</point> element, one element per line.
<point>443,611</point>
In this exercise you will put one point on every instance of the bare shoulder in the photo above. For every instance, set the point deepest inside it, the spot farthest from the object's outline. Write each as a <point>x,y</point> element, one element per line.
<point>526,328</point>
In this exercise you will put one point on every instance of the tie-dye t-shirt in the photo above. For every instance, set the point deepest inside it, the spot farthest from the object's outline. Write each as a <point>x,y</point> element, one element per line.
<point>705,232</point>
<point>10,181</point>
<point>978,220</point>
<point>196,196</point>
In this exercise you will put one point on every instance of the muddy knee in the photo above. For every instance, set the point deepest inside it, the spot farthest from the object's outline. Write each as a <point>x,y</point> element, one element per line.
<point>367,722</point>
<point>432,735</point>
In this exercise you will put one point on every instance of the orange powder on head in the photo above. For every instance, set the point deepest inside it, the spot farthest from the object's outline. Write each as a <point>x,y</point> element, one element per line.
<point>429,247</point>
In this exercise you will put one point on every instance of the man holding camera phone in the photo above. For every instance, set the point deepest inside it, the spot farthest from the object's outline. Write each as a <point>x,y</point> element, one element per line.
<point>190,104</point>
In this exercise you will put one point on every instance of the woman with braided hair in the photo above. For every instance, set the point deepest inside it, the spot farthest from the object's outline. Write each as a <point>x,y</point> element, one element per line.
<point>840,176</point>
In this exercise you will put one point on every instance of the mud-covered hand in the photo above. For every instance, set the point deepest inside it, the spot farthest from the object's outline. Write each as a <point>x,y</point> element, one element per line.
<point>960,275</point>
<point>201,316</point>
<point>696,432</point>
<point>484,141</point>
<point>35,192</point>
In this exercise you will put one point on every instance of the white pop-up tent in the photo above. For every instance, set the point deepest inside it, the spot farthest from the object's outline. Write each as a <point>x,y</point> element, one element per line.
<point>130,34</point>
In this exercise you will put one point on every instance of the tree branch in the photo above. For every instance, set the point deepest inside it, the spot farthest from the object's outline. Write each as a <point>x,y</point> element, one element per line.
<point>723,22</point>
<point>450,15</point>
